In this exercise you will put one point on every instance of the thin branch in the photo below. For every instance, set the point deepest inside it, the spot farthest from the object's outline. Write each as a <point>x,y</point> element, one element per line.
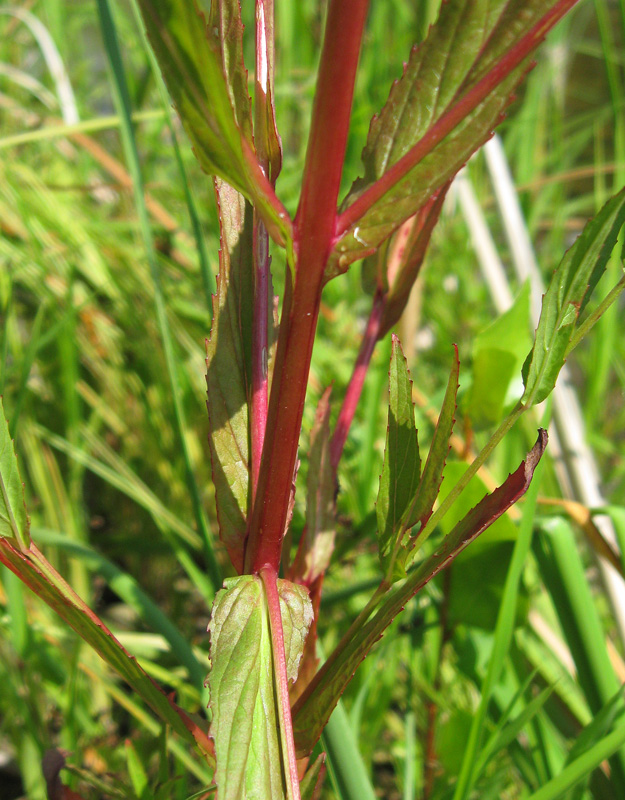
<point>354,389</point>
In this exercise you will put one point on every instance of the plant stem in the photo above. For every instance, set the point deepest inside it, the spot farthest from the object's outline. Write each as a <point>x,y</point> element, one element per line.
<point>459,111</point>
<point>314,236</point>
<point>354,389</point>
<point>269,577</point>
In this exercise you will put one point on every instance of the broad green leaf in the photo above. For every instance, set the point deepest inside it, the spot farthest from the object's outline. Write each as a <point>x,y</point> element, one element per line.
<point>317,542</point>
<point>228,376</point>
<point>312,710</point>
<point>14,522</point>
<point>452,94</point>
<point>431,479</point>
<point>226,27</point>
<point>402,467</point>
<point>244,702</point>
<point>568,292</point>
<point>498,354</point>
<point>35,571</point>
<point>208,85</point>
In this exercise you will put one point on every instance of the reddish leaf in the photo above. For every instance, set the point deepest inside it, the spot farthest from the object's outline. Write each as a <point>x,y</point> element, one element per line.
<point>453,93</point>
<point>317,542</point>
<point>40,576</point>
<point>313,709</point>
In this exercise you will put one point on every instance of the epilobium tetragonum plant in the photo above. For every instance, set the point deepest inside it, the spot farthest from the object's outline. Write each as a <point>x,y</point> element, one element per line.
<point>269,698</point>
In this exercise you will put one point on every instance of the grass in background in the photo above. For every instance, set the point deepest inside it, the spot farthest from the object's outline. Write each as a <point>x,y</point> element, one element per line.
<point>87,367</point>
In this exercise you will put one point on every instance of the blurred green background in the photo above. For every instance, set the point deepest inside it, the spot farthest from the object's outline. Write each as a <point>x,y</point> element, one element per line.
<point>89,392</point>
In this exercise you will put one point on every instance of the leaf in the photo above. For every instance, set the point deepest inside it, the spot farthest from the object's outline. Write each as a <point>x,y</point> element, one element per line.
<point>452,94</point>
<point>14,522</point>
<point>317,542</point>
<point>402,276</point>
<point>208,85</point>
<point>313,778</point>
<point>568,292</point>
<point>432,476</point>
<point>314,707</point>
<point>402,467</point>
<point>498,353</point>
<point>244,702</point>
<point>41,577</point>
<point>228,376</point>
<point>266,132</point>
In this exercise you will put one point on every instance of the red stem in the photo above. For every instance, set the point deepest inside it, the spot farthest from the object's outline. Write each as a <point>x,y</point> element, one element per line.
<point>258,405</point>
<point>269,578</point>
<point>262,275</point>
<point>354,390</point>
<point>445,124</point>
<point>314,237</point>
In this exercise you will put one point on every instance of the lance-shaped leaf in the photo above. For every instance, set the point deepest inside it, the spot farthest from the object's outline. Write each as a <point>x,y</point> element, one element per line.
<point>568,292</point>
<point>317,542</point>
<point>432,476</point>
<point>228,376</point>
<point>314,707</point>
<point>245,701</point>
<point>41,577</point>
<point>14,522</point>
<point>452,94</point>
<point>22,557</point>
<point>266,133</point>
<point>203,69</point>
<point>402,467</point>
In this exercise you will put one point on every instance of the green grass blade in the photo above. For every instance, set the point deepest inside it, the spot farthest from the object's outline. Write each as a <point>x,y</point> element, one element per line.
<point>502,639</point>
<point>122,100</point>
<point>565,579</point>
<point>582,766</point>
<point>345,764</point>
<point>133,595</point>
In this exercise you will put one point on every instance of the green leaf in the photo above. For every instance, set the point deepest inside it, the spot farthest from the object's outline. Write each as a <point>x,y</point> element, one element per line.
<point>35,571</point>
<point>228,376</point>
<point>317,542</point>
<point>498,354</point>
<point>313,778</point>
<point>137,773</point>
<point>452,94</point>
<point>313,708</point>
<point>568,292</point>
<point>14,522</point>
<point>208,84</point>
<point>244,700</point>
<point>402,467</point>
<point>431,479</point>
<point>600,725</point>
<point>582,766</point>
